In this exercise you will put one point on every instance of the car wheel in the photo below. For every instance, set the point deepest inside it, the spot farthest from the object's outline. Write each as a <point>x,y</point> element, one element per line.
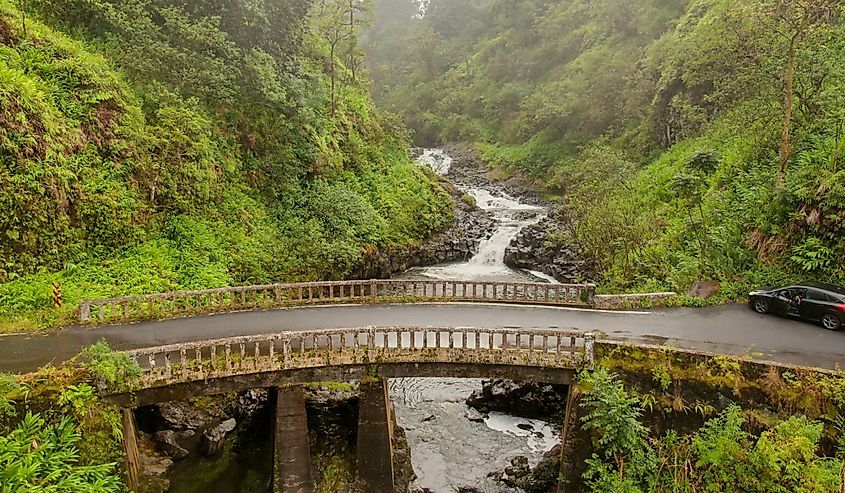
<point>761,306</point>
<point>831,322</point>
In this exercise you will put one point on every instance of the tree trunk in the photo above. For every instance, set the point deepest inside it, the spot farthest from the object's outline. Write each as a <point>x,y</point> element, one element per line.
<point>331,67</point>
<point>837,147</point>
<point>352,39</point>
<point>23,20</point>
<point>788,110</point>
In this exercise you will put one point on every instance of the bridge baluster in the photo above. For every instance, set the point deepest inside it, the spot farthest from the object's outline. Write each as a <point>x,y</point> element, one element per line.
<point>152,362</point>
<point>257,354</point>
<point>242,348</point>
<point>271,351</point>
<point>589,341</point>
<point>287,351</point>
<point>557,346</point>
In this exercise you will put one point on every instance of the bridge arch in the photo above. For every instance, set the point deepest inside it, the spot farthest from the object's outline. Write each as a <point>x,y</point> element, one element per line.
<point>370,355</point>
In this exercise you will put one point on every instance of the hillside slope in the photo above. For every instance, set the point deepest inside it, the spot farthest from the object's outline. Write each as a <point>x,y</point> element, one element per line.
<point>178,151</point>
<point>695,139</point>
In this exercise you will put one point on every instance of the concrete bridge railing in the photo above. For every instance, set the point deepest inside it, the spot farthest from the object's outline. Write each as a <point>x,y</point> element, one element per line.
<point>178,303</point>
<point>223,358</point>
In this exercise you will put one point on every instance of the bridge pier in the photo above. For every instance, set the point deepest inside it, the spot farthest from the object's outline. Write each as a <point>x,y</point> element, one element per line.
<point>575,444</point>
<point>130,448</point>
<point>291,447</point>
<point>375,438</point>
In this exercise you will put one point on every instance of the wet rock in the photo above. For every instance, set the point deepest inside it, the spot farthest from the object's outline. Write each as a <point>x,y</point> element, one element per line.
<point>518,468</point>
<point>167,443</point>
<point>177,415</point>
<point>154,465</point>
<point>538,248</point>
<point>475,416</point>
<point>704,289</point>
<point>528,400</point>
<point>541,479</point>
<point>469,170</point>
<point>248,403</point>
<point>403,470</point>
<point>214,439</point>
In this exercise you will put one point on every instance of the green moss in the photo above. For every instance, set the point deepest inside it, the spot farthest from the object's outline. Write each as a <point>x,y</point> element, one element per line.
<point>333,386</point>
<point>814,393</point>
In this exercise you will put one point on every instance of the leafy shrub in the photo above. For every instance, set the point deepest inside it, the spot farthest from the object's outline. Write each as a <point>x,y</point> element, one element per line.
<point>115,368</point>
<point>37,456</point>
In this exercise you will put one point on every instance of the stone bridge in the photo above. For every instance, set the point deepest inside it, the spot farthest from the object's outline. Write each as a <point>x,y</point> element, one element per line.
<point>180,303</point>
<point>369,355</point>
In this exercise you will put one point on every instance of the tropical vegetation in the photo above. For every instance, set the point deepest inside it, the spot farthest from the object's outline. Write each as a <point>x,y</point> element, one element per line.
<point>153,145</point>
<point>692,139</point>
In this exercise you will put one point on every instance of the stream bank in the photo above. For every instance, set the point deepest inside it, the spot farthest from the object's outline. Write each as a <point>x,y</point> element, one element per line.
<point>224,444</point>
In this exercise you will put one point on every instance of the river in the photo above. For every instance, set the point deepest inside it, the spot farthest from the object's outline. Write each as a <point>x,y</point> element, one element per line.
<point>448,451</point>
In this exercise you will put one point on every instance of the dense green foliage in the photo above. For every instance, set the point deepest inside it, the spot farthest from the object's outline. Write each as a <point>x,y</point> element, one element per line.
<point>663,121</point>
<point>37,456</point>
<point>721,457</point>
<point>56,434</point>
<point>151,145</point>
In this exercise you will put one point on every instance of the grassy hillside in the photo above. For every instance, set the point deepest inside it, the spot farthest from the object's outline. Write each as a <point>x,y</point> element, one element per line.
<point>663,122</point>
<point>117,177</point>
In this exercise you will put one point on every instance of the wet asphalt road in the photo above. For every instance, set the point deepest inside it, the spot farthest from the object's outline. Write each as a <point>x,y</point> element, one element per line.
<point>732,329</point>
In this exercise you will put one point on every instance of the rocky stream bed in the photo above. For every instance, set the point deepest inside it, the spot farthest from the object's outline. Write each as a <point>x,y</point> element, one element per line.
<point>453,435</point>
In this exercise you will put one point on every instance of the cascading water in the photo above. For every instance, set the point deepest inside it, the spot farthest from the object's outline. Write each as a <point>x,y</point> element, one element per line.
<point>447,449</point>
<point>511,216</point>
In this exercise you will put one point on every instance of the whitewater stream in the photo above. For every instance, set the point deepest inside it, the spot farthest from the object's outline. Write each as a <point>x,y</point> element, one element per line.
<point>448,450</point>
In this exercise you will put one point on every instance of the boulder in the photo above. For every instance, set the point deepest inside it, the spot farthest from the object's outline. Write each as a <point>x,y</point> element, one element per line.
<point>518,468</point>
<point>214,439</point>
<point>249,402</point>
<point>528,400</point>
<point>704,289</point>
<point>167,443</point>
<point>535,248</point>
<point>177,415</point>
<point>475,416</point>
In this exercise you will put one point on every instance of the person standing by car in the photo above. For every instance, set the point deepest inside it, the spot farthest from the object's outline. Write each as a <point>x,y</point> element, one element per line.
<point>795,302</point>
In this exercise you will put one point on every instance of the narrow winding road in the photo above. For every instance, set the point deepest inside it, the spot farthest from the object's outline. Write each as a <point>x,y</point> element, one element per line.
<point>730,329</point>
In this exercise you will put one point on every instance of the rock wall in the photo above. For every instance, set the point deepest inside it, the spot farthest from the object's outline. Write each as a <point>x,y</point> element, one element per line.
<point>535,248</point>
<point>470,227</point>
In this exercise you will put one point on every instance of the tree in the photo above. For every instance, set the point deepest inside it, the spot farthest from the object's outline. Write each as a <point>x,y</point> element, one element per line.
<point>360,18</point>
<point>795,21</point>
<point>330,22</point>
